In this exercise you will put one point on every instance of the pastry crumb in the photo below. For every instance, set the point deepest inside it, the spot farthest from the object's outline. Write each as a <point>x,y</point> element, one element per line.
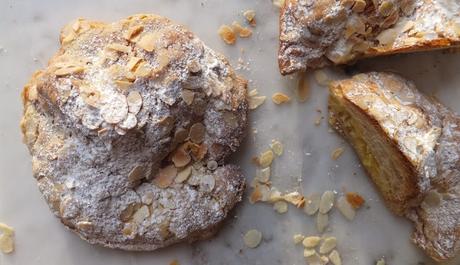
<point>252,238</point>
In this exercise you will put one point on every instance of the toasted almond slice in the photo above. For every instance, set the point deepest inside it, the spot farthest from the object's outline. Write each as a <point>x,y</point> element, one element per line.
<point>123,84</point>
<point>137,173</point>
<point>328,245</point>
<point>134,100</point>
<point>312,203</point>
<point>322,78</point>
<point>245,32</point>
<point>308,252</point>
<point>274,195</point>
<point>69,70</point>
<point>297,238</point>
<point>263,175</point>
<point>380,262</point>
<point>336,153</point>
<point>295,198</point>
<point>147,42</point>
<point>133,32</point>
<point>184,174</point>
<point>197,132</point>
<point>280,207</point>
<point>255,101</point>
<point>116,110</point>
<point>280,98</point>
<point>227,34</point>
<point>181,158</point>
<point>141,214</point>
<point>188,96</point>
<point>334,257</point>
<point>165,176</point>
<point>260,193</point>
<point>322,221</point>
<point>133,63</point>
<point>266,158</point>
<point>250,16</point>
<point>355,199</point>
<point>311,241</point>
<point>143,70</point>
<point>277,147</point>
<point>345,208</point>
<point>326,202</point>
<point>252,238</point>
<point>118,47</point>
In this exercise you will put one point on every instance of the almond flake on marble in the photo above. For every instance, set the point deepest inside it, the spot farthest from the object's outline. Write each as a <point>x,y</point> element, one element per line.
<point>250,16</point>
<point>345,208</point>
<point>326,202</point>
<point>280,98</point>
<point>123,84</point>
<point>69,70</point>
<point>308,252</point>
<point>311,241</point>
<point>252,238</point>
<point>321,77</point>
<point>297,238</point>
<point>277,147</point>
<point>227,34</point>
<point>263,174</point>
<point>6,239</point>
<point>336,153</point>
<point>280,207</point>
<point>322,221</point>
<point>266,158</point>
<point>295,198</point>
<point>334,257</point>
<point>312,203</point>
<point>278,3</point>
<point>380,262</point>
<point>328,245</point>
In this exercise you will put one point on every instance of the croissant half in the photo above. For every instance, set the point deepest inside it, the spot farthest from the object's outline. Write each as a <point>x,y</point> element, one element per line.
<point>410,147</point>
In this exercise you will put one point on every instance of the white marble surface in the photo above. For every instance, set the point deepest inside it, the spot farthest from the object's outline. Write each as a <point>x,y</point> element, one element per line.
<point>29,36</point>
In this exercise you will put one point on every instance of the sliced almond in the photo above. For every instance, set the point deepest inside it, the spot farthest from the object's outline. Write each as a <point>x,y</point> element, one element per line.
<point>312,204</point>
<point>303,89</point>
<point>280,98</point>
<point>328,245</point>
<point>116,110</point>
<point>336,153</point>
<point>197,133</point>
<point>6,238</point>
<point>355,200</point>
<point>295,198</point>
<point>308,252</point>
<point>250,16</point>
<point>184,174</point>
<point>298,238</point>
<point>147,42</point>
<point>143,70</point>
<point>133,63</point>
<point>165,176</point>
<point>118,47</point>
<point>129,122</point>
<point>280,207</point>
<point>326,202</point>
<point>311,241</point>
<point>255,101</point>
<point>322,221</point>
<point>260,193</point>
<point>123,84</point>
<point>85,226</point>
<point>188,96</point>
<point>181,158</point>
<point>69,70</point>
<point>380,262</point>
<point>263,175</point>
<point>133,32</point>
<point>134,100</point>
<point>227,34</point>
<point>345,208</point>
<point>278,3</point>
<point>266,158</point>
<point>136,174</point>
<point>334,257</point>
<point>245,32</point>
<point>277,147</point>
<point>252,238</point>
<point>141,214</point>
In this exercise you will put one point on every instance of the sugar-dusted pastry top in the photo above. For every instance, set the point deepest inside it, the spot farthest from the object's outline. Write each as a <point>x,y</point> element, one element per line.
<point>129,126</point>
<point>410,143</point>
<point>315,33</point>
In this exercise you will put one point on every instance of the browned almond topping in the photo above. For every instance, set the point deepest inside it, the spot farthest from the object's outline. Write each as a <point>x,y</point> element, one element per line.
<point>188,96</point>
<point>143,70</point>
<point>165,176</point>
<point>147,42</point>
<point>359,6</point>
<point>123,84</point>
<point>197,133</point>
<point>184,174</point>
<point>163,59</point>
<point>280,98</point>
<point>69,70</point>
<point>245,32</point>
<point>134,100</point>
<point>227,34</point>
<point>250,16</point>
<point>336,153</point>
<point>133,32</point>
<point>181,158</point>
<point>133,63</point>
<point>90,96</point>
<point>128,212</point>
<point>354,199</point>
<point>119,47</point>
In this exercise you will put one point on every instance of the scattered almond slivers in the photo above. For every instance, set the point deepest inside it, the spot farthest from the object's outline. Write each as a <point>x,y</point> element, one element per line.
<point>311,241</point>
<point>227,34</point>
<point>295,198</point>
<point>328,245</point>
<point>280,207</point>
<point>336,153</point>
<point>297,238</point>
<point>252,238</point>
<point>326,202</point>
<point>345,208</point>
<point>277,147</point>
<point>334,257</point>
<point>266,158</point>
<point>312,204</point>
<point>6,238</point>
<point>255,100</point>
<point>322,221</point>
<point>250,16</point>
<point>280,98</point>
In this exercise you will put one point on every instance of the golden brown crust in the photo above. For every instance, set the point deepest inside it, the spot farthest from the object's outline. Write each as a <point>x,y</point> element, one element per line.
<point>409,145</point>
<point>317,33</point>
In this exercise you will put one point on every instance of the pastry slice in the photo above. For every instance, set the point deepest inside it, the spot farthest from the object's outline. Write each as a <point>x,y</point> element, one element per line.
<point>410,147</point>
<point>315,33</point>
